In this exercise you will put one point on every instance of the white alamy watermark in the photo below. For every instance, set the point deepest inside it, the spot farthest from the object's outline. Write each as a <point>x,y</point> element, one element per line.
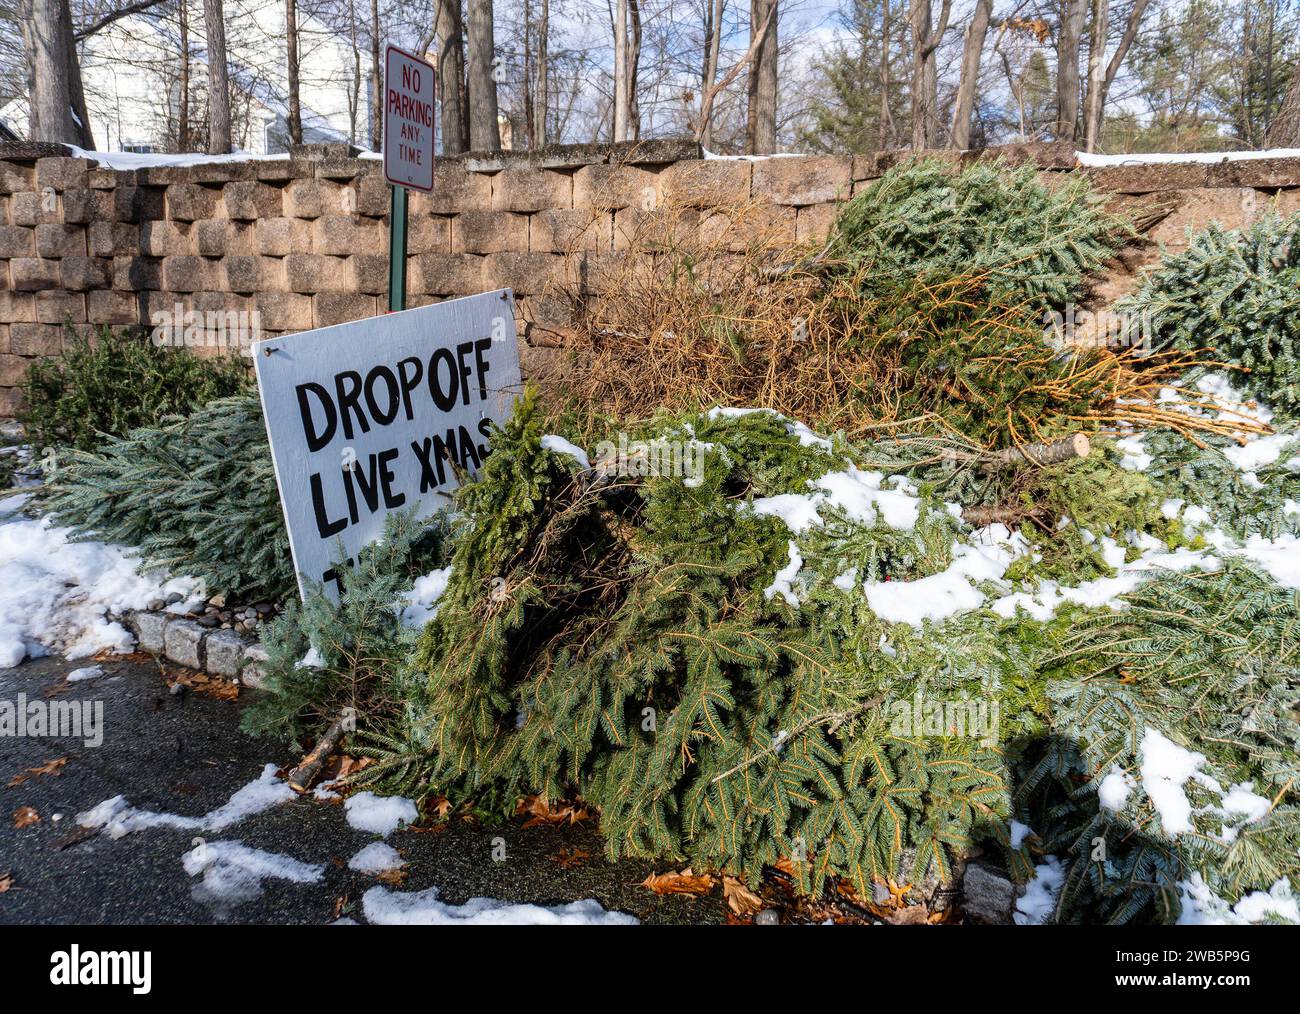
<point>83,720</point>
<point>661,457</point>
<point>75,967</point>
<point>177,327</point>
<point>1077,328</point>
<point>964,717</point>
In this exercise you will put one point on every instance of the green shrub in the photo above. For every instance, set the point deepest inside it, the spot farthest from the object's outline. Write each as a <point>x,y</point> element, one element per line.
<point>196,495</point>
<point>1239,294</point>
<point>107,386</point>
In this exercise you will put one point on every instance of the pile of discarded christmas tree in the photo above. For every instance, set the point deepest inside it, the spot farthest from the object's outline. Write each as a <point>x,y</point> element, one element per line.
<point>939,578</point>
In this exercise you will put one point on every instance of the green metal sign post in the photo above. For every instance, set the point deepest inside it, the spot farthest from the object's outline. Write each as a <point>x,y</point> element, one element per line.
<point>397,251</point>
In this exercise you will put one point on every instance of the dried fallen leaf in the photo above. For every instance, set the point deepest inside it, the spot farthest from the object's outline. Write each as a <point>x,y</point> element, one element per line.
<point>25,816</point>
<point>393,878</point>
<point>912,915</point>
<point>569,858</point>
<point>6,881</point>
<point>544,812</point>
<point>50,767</point>
<point>685,882</point>
<point>740,898</point>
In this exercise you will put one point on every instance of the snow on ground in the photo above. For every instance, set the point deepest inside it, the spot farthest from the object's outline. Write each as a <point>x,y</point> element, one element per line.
<point>116,817</point>
<point>422,908</point>
<point>90,672</point>
<point>381,815</point>
<point>57,595</point>
<point>376,858</point>
<point>233,872</point>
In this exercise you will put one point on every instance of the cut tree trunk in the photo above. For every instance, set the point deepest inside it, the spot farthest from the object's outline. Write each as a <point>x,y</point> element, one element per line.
<point>308,770</point>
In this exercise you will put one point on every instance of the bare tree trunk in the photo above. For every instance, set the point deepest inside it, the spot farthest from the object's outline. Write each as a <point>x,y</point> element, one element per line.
<point>451,78</point>
<point>1093,97</point>
<point>376,82</point>
<point>51,105</point>
<point>925,72</point>
<point>886,128</point>
<point>706,101</point>
<point>81,116</point>
<point>712,50</point>
<point>619,132</point>
<point>291,43</point>
<point>633,66</point>
<point>541,99</point>
<point>1098,103</point>
<point>967,85</point>
<point>1068,40</point>
<point>183,100</point>
<point>760,127</point>
<point>214,26</point>
<point>354,93</point>
<point>484,134</point>
<point>1284,131</point>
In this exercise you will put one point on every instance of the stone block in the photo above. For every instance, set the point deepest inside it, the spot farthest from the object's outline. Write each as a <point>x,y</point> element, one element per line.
<point>161,238</point>
<point>424,234</point>
<point>988,895</point>
<point>137,274</point>
<point>189,202</point>
<point>813,222</point>
<point>32,274</point>
<point>149,630</point>
<point>284,311</point>
<point>138,204</point>
<point>801,180</point>
<point>279,237</point>
<point>190,274</point>
<point>563,231</point>
<point>610,187</point>
<point>57,240</point>
<point>313,272</point>
<point>82,273</point>
<point>368,273</point>
<point>17,241</point>
<point>111,306</point>
<point>313,198</point>
<point>448,274</point>
<point>249,200</point>
<point>183,642</point>
<point>1230,207</point>
<point>340,307</point>
<point>525,189</point>
<point>485,232</point>
<point>54,306</point>
<point>35,339</point>
<point>224,650</point>
<point>706,184</point>
<point>17,307</point>
<point>341,235</point>
<point>62,173</point>
<point>108,239</point>
<point>527,274</point>
<point>454,191</point>
<point>251,273</point>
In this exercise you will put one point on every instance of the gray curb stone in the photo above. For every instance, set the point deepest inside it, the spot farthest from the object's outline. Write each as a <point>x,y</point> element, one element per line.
<point>217,652</point>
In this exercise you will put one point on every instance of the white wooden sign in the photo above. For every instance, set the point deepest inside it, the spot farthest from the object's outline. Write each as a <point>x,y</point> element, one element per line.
<point>365,419</point>
<point>408,120</point>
